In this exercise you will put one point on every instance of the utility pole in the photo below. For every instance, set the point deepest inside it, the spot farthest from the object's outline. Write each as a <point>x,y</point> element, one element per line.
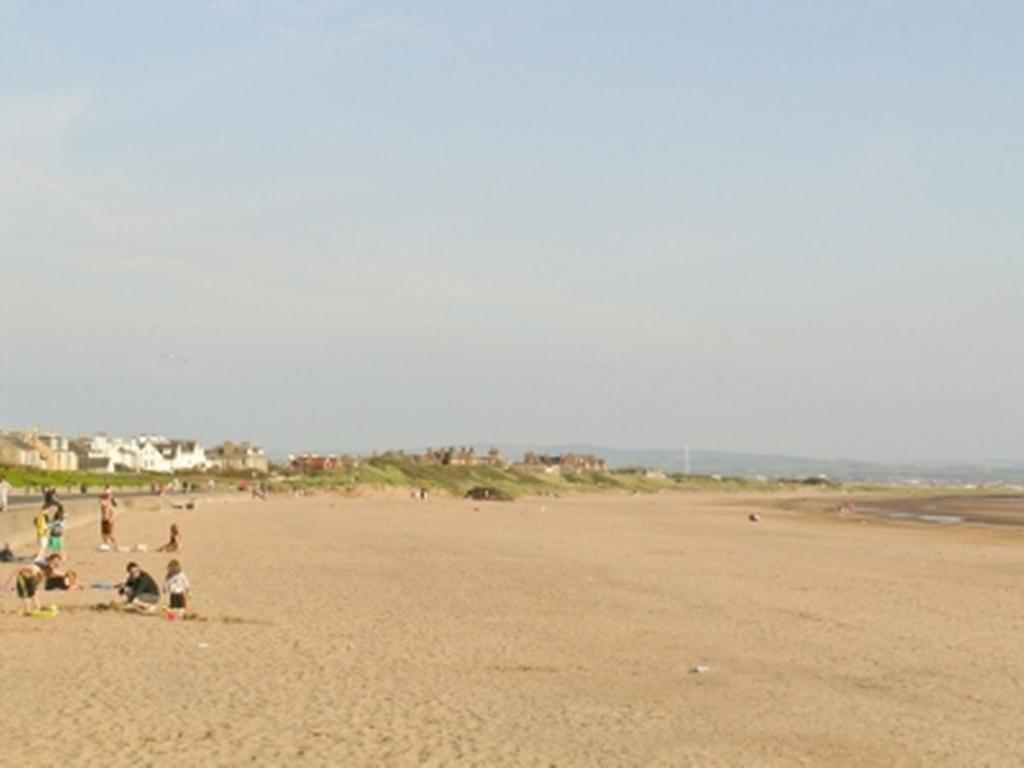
<point>686,459</point>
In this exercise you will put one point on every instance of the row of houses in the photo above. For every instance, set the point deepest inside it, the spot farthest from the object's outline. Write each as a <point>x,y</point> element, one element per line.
<point>565,462</point>
<point>145,453</point>
<point>468,457</point>
<point>461,457</point>
<point>320,462</point>
<point>452,456</point>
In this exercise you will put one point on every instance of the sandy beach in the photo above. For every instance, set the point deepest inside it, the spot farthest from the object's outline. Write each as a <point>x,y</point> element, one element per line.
<point>540,632</point>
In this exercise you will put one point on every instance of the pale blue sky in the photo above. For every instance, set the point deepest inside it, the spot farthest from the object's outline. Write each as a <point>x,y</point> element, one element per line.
<point>791,227</point>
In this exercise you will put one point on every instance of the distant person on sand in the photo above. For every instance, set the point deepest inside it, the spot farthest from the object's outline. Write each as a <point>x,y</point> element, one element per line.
<point>139,590</point>
<point>107,504</point>
<point>42,524</point>
<point>5,493</point>
<point>50,500</point>
<point>176,586</point>
<point>27,580</point>
<point>174,543</point>
<point>55,543</point>
<point>28,585</point>
<point>49,496</point>
<point>55,577</point>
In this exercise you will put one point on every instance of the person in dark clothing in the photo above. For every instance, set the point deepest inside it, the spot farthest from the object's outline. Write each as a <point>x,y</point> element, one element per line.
<point>140,590</point>
<point>50,500</point>
<point>55,577</point>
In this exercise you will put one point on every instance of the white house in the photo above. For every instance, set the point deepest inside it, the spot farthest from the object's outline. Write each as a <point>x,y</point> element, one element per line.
<point>238,456</point>
<point>103,453</point>
<point>184,455</point>
<point>150,456</point>
<point>145,453</point>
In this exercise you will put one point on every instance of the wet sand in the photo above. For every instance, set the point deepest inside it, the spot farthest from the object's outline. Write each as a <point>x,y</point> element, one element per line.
<point>967,508</point>
<point>540,632</point>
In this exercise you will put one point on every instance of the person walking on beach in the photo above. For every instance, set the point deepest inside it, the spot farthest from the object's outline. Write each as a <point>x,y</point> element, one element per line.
<point>107,504</point>
<point>5,491</point>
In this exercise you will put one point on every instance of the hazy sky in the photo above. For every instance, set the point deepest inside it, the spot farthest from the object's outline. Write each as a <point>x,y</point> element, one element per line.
<point>792,227</point>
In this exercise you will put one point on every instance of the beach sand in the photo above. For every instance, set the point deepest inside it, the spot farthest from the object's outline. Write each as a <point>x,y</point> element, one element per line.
<point>540,632</point>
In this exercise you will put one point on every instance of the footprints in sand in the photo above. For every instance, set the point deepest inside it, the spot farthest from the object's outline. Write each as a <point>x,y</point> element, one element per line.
<point>118,608</point>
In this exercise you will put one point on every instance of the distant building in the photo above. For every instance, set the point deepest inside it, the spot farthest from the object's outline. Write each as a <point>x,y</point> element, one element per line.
<point>312,462</point>
<point>541,461</point>
<point>459,457</point>
<point>493,459</point>
<point>566,462</point>
<point>183,455</point>
<point>100,453</point>
<point>52,449</point>
<point>15,452</point>
<point>87,462</point>
<point>238,456</point>
<point>149,457</point>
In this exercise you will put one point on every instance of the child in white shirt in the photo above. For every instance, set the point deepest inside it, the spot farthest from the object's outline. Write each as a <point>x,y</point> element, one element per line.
<point>176,586</point>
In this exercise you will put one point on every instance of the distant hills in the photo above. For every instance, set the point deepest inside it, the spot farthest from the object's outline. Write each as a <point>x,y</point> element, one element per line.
<point>709,462</point>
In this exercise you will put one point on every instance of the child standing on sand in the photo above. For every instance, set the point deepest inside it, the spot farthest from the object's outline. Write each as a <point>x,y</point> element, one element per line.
<point>28,584</point>
<point>176,586</point>
<point>42,524</point>
<point>27,580</point>
<point>56,530</point>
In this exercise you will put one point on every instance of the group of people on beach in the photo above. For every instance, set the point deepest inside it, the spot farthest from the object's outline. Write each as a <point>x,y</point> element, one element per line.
<point>47,570</point>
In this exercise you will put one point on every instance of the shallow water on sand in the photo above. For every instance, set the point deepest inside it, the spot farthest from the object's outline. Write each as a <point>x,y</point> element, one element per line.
<point>948,510</point>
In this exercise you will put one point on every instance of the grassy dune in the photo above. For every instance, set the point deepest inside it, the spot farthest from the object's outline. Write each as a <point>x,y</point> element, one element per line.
<point>404,473</point>
<point>399,472</point>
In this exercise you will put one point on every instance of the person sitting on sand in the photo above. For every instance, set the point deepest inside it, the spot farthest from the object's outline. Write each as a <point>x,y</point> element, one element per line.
<point>174,544</point>
<point>55,577</point>
<point>139,590</point>
<point>176,586</point>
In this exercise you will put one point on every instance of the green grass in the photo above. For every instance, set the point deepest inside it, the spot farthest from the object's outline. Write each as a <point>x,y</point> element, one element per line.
<point>24,477</point>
